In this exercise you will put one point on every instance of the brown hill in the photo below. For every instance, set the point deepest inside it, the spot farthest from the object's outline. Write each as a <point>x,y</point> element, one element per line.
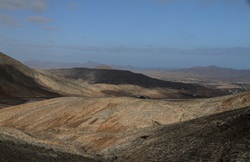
<point>19,84</point>
<point>109,127</point>
<point>18,81</point>
<point>95,124</point>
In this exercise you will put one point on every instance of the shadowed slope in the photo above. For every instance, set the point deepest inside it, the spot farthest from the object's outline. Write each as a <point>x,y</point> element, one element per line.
<point>17,80</point>
<point>121,77</point>
<point>16,145</point>
<point>220,137</point>
<point>19,84</point>
<point>23,152</point>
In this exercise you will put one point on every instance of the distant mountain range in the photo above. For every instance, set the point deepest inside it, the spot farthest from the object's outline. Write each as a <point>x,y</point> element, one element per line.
<point>17,80</point>
<point>58,65</point>
<point>210,70</point>
<point>215,71</point>
<point>24,83</point>
<point>55,65</point>
<point>209,73</point>
<point>104,114</point>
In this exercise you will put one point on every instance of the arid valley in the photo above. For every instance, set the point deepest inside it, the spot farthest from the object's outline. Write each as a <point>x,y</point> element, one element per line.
<point>124,81</point>
<point>82,114</point>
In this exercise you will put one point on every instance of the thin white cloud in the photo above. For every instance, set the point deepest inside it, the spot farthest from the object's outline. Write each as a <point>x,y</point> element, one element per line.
<point>49,28</point>
<point>72,6</point>
<point>38,19</point>
<point>8,21</point>
<point>34,5</point>
<point>50,41</point>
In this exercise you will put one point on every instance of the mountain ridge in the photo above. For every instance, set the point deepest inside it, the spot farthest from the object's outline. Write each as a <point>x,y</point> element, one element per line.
<point>17,80</point>
<point>120,77</point>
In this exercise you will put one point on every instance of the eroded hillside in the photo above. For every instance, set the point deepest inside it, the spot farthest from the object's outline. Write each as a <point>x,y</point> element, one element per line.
<point>102,126</point>
<point>121,78</point>
<point>20,84</point>
<point>112,115</point>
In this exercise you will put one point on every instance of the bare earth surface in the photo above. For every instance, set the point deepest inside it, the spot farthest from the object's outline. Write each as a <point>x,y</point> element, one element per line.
<point>99,127</point>
<point>227,79</point>
<point>110,115</point>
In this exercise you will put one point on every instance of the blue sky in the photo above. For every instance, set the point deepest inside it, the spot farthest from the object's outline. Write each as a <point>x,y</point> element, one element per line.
<point>144,33</point>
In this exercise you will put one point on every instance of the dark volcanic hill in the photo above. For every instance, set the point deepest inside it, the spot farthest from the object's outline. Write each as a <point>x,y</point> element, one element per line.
<point>17,80</point>
<point>19,84</point>
<point>123,77</point>
<point>89,124</point>
<point>220,137</point>
<point>22,152</point>
<point>55,65</point>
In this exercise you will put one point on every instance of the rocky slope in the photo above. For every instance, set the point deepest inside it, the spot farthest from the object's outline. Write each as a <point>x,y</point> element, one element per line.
<point>17,80</point>
<point>104,128</point>
<point>19,84</point>
<point>111,115</point>
<point>220,137</point>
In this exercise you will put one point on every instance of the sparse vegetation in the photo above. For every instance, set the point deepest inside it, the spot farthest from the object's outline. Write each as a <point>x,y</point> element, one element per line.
<point>112,115</point>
